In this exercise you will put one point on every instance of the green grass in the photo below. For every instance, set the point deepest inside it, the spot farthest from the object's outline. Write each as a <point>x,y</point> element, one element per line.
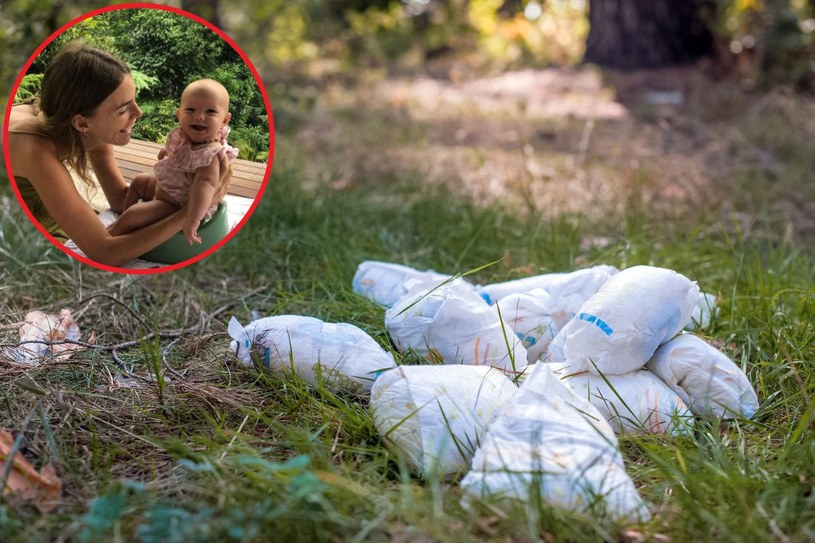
<point>171,440</point>
<point>200,449</point>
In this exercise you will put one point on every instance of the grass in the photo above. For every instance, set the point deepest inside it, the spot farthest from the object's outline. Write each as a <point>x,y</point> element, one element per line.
<point>195,448</point>
<point>171,440</point>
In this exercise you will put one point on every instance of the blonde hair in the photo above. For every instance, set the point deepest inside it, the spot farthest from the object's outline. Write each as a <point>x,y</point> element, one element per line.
<point>76,81</point>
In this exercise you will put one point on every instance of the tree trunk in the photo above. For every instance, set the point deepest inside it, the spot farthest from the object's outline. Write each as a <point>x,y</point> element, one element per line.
<point>630,34</point>
<point>206,9</point>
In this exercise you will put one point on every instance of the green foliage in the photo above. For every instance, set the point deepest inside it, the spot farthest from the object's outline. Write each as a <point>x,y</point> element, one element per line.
<point>106,511</point>
<point>24,24</point>
<point>381,34</point>
<point>286,498</point>
<point>31,83</point>
<point>772,41</point>
<point>165,52</point>
<point>29,87</point>
<point>250,141</point>
<point>158,119</point>
<point>143,81</point>
<point>8,523</point>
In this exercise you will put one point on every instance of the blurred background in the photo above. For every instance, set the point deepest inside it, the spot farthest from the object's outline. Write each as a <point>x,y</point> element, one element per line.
<point>762,42</point>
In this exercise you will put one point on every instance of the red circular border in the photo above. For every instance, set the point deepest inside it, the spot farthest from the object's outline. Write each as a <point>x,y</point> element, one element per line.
<point>223,36</point>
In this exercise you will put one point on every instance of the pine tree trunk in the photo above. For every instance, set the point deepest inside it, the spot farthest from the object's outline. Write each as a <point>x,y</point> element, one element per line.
<point>206,9</point>
<point>629,34</point>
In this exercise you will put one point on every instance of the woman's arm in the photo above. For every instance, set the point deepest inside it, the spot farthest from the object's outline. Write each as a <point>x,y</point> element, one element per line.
<point>103,162</point>
<point>36,159</point>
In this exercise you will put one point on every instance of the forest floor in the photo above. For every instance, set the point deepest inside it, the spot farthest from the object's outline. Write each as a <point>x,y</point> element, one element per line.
<point>578,140</point>
<point>157,433</point>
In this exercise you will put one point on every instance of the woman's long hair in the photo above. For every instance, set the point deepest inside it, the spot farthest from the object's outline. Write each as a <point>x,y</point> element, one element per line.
<point>76,81</point>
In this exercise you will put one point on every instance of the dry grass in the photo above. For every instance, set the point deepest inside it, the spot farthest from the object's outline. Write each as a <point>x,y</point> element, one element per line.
<point>556,141</point>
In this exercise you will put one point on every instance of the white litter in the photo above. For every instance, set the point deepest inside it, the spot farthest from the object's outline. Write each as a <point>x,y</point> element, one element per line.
<point>535,319</point>
<point>620,327</point>
<point>340,356</point>
<point>385,283</point>
<point>434,417</point>
<point>634,403</point>
<point>580,284</point>
<point>703,312</point>
<point>550,441</point>
<point>453,325</point>
<point>704,377</point>
<point>45,335</point>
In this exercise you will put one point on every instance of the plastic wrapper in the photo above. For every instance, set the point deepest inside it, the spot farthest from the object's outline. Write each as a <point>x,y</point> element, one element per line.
<point>704,377</point>
<point>434,417</point>
<point>704,310</point>
<point>384,282</point>
<point>539,315</point>
<point>634,403</point>
<point>340,356</point>
<point>554,351</point>
<point>534,320</point>
<point>580,284</point>
<point>46,336</point>
<point>453,325</point>
<point>620,327</point>
<point>551,441</point>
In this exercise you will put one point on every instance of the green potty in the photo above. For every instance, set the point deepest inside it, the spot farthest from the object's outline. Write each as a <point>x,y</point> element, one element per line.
<point>176,249</point>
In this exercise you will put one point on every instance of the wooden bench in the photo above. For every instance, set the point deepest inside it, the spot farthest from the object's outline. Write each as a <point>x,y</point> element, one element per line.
<point>139,156</point>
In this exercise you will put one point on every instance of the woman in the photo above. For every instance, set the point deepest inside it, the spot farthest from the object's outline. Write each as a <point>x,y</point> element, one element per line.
<point>86,106</point>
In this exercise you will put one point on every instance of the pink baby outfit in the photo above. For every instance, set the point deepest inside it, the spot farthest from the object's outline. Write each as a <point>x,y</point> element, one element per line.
<point>182,159</point>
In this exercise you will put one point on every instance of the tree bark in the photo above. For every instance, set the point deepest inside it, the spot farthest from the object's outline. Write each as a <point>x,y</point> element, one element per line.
<point>206,9</point>
<point>630,34</point>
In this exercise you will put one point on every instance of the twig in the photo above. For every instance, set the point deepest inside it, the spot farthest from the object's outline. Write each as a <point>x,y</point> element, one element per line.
<point>121,303</point>
<point>164,358</point>
<point>115,347</point>
<point>232,441</point>
<point>122,365</point>
<point>336,438</point>
<point>585,140</point>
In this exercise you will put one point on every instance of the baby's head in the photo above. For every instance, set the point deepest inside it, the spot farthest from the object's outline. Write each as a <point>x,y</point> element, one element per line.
<point>204,110</point>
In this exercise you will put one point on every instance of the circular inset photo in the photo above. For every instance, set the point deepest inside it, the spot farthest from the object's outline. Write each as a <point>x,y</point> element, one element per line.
<point>139,138</point>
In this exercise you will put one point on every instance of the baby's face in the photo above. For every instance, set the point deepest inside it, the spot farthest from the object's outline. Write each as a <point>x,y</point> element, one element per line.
<point>203,112</point>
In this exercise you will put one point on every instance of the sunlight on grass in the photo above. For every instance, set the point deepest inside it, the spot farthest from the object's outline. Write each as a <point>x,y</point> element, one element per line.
<point>211,451</point>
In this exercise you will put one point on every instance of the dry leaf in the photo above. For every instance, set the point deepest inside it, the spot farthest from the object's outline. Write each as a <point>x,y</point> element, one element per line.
<point>43,488</point>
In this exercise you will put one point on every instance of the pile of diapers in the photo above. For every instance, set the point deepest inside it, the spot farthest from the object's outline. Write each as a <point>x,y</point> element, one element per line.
<point>526,383</point>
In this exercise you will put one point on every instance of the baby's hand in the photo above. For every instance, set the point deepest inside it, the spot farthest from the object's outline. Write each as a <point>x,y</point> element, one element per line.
<point>162,153</point>
<point>191,231</point>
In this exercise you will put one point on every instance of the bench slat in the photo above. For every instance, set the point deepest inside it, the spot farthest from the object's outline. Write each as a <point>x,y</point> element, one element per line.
<point>139,157</point>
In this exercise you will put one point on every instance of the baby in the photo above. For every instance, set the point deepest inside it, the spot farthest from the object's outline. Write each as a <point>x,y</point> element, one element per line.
<point>195,147</point>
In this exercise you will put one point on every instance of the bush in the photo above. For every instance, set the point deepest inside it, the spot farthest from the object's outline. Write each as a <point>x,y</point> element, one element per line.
<point>140,37</point>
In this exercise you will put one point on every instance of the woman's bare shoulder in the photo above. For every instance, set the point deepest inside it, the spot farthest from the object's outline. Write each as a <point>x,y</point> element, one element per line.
<point>23,120</point>
<point>27,144</point>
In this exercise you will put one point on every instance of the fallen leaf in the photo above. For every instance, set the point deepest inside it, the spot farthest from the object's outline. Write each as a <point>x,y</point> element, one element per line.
<point>43,489</point>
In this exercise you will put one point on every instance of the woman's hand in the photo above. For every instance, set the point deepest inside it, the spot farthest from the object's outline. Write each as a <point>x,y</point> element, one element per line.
<point>225,175</point>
